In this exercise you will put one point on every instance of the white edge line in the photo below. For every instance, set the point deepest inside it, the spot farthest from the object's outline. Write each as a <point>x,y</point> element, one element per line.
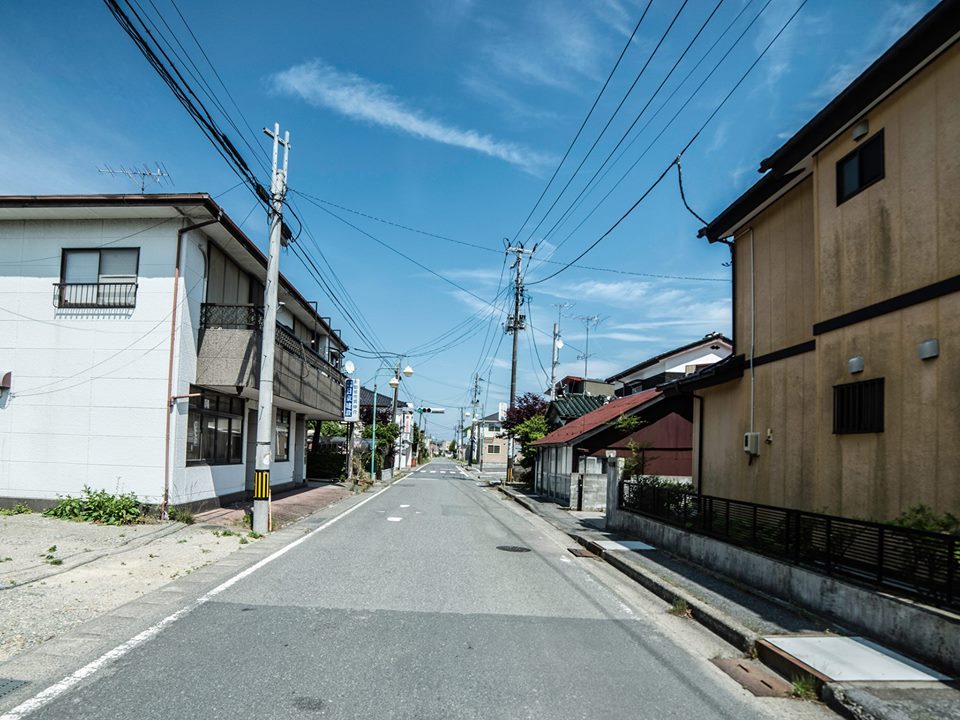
<point>57,689</point>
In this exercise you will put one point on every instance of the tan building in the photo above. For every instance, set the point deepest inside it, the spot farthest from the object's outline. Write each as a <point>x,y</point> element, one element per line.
<point>843,392</point>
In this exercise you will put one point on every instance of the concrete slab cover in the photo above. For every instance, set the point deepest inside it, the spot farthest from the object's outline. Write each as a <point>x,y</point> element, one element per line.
<point>624,545</point>
<point>854,658</point>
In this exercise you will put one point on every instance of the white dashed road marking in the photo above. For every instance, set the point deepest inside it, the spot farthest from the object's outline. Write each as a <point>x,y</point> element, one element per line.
<point>404,506</point>
<point>394,519</point>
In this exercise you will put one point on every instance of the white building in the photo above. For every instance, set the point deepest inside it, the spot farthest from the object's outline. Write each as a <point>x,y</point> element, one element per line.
<point>130,326</point>
<point>673,364</point>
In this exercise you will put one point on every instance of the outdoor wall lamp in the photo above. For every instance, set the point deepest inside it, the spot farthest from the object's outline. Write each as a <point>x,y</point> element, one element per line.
<point>855,364</point>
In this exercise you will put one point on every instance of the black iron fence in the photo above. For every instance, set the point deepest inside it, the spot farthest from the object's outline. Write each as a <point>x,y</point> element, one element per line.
<point>95,295</point>
<point>231,317</point>
<point>921,564</point>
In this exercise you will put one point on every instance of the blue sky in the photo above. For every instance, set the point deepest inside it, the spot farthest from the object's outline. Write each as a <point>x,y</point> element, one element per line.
<point>449,116</point>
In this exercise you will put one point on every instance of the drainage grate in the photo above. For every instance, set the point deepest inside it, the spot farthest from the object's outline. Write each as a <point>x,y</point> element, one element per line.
<point>9,685</point>
<point>753,676</point>
<point>513,548</point>
<point>581,552</point>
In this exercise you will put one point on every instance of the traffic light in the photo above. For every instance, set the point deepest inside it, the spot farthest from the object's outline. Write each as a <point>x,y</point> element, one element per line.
<point>435,411</point>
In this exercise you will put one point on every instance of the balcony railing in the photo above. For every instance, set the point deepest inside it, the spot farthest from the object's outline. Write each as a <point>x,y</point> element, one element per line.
<point>250,317</point>
<point>917,563</point>
<point>95,295</point>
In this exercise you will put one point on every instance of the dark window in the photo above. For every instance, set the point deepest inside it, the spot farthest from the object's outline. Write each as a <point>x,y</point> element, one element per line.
<point>95,277</point>
<point>214,428</point>
<point>860,169</point>
<point>495,449</point>
<point>282,450</point>
<point>858,407</point>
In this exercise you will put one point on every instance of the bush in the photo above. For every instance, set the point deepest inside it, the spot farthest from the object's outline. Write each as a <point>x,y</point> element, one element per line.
<point>98,506</point>
<point>326,462</point>
<point>921,517</point>
<point>18,509</point>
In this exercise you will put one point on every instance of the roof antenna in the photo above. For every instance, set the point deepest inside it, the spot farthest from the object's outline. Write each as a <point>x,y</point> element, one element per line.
<point>139,176</point>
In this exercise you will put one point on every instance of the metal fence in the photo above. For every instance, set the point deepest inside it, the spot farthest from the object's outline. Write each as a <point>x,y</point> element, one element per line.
<point>900,560</point>
<point>231,317</point>
<point>95,295</point>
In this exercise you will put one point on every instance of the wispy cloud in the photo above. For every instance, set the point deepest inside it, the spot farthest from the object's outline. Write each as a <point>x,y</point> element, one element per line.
<point>322,85</point>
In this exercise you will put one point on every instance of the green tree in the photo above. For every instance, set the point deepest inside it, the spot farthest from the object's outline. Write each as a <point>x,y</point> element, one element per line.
<point>526,432</point>
<point>387,434</point>
<point>452,447</point>
<point>332,428</point>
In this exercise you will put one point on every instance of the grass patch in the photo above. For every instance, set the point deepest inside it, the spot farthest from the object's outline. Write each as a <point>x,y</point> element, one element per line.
<point>680,608</point>
<point>255,535</point>
<point>18,509</point>
<point>243,540</point>
<point>803,687</point>
<point>98,506</point>
<point>181,515</point>
<point>226,532</point>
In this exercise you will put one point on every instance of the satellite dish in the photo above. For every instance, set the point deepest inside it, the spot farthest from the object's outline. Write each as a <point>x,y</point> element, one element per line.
<point>349,367</point>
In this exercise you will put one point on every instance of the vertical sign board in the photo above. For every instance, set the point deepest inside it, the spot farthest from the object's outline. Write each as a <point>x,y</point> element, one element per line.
<point>502,411</point>
<point>351,400</point>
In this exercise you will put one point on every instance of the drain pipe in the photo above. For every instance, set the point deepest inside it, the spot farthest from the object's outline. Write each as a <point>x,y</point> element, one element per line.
<point>753,338</point>
<point>171,399</point>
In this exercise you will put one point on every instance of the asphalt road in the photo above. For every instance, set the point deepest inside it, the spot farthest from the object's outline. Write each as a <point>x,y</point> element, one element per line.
<point>409,607</point>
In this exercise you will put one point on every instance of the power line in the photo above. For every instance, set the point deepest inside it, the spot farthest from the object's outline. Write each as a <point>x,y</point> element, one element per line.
<point>584,123</point>
<point>670,122</point>
<point>686,147</point>
<point>656,48</point>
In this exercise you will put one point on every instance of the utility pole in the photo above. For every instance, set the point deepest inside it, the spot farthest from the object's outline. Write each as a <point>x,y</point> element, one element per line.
<point>588,320</point>
<point>518,323</point>
<point>473,418</point>
<point>557,344</point>
<point>265,414</point>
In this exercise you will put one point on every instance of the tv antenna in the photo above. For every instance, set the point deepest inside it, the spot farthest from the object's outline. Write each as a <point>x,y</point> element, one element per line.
<point>139,176</point>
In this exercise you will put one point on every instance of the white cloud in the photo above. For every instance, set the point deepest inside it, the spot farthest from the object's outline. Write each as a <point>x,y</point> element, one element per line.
<point>322,85</point>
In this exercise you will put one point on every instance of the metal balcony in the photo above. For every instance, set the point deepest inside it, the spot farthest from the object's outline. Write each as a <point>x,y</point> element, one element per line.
<point>95,295</point>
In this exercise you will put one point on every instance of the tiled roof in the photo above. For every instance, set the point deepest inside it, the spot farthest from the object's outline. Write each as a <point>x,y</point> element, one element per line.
<point>599,417</point>
<point>574,406</point>
<point>366,399</point>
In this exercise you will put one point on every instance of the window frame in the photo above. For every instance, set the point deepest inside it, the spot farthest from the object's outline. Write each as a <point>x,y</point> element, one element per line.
<point>196,410</point>
<point>854,419</point>
<point>282,420</point>
<point>856,153</point>
<point>493,449</point>
<point>63,301</point>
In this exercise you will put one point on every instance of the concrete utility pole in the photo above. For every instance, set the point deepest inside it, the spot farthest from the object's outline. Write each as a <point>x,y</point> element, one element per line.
<point>265,414</point>
<point>557,344</point>
<point>473,418</point>
<point>588,320</point>
<point>518,323</point>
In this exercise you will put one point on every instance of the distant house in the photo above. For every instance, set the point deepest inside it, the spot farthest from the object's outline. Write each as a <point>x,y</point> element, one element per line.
<point>490,450</point>
<point>130,330</point>
<point>571,462</point>
<point>672,364</point>
<point>844,391</point>
<point>574,385</point>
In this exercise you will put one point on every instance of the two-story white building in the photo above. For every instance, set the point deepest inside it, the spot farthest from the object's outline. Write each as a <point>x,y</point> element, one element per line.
<point>130,343</point>
<point>672,364</point>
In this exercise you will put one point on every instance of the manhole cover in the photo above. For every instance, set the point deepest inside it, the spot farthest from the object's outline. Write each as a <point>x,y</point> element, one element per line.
<point>581,552</point>
<point>8,685</point>
<point>513,548</point>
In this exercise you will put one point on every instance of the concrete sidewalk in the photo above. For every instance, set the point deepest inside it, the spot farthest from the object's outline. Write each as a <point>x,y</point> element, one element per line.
<point>744,617</point>
<point>285,508</point>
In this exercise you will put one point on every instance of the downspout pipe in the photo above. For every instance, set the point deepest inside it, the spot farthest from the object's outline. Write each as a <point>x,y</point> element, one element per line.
<point>171,400</point>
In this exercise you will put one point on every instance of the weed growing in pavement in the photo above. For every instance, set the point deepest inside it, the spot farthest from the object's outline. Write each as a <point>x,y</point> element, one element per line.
<point>18,509</point>
<point>98,506</point>
<point>680,608</point>
<point>226,532</point>
<point>52,549</point>
<point>181,515</point>
<point>255,535</point>
<point>55,561</point>
<point>247,520</point>
<point>804,687</point>
<point>181,542</point>
<point>243,540</point>
<point>7,559</point>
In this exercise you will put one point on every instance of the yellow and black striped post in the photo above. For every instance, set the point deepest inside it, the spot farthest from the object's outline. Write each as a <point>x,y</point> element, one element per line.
<point>261,485</point>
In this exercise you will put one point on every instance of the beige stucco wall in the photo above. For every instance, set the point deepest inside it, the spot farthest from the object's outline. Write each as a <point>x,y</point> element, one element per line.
<point>815,260</point>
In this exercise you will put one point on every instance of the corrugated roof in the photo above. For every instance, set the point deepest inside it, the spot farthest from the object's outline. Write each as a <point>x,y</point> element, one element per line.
<point>574,406</point>
<point>598,418</point>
